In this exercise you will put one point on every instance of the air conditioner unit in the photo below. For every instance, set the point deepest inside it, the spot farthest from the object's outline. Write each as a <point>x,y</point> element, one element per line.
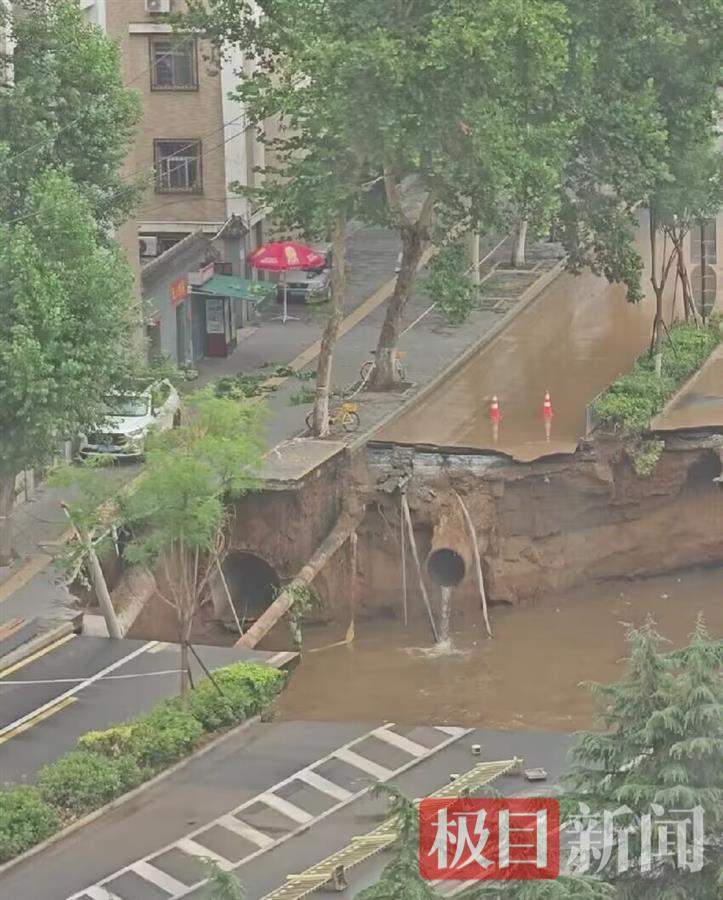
<point>158,6</point>
<point>148,245</point>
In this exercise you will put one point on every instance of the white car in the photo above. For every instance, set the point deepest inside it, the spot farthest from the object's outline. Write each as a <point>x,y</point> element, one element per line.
<point>129,419</point>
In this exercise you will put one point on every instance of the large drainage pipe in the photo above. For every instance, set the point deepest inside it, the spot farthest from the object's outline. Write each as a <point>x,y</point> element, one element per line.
<point>449,557</point>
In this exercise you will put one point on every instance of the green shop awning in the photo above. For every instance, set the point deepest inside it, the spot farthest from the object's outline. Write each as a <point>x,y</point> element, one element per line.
<point>231,286</point>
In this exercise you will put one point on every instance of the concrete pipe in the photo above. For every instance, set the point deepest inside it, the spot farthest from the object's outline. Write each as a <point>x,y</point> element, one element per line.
<point>450,557</point>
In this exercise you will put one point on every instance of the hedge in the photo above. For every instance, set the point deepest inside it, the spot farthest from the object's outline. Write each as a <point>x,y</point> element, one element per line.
<point>105,764</point>
<point>632,400</point>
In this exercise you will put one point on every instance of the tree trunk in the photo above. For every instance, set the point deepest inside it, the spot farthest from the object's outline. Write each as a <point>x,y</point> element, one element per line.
<point>518,248</point>
<point>474,273</point>
<point>385,375</point>
<point>184,668</point>
<point>333,324</point>
<point>7,499</point>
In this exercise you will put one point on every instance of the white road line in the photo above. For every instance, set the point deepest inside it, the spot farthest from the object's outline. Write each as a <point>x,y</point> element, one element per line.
<point>193,848</point>
<point>290,810</point>
<point>244,830</point>
<point>78,688</point>
<point>399,741</point>
<point>263,841</point>
<point>161,879</point>
<point>99,893</point>
<point>361,762</point>
<point>312,778</point>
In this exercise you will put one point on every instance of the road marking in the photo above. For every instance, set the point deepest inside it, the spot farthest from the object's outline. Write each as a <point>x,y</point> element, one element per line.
<point>161,879</point>
<point>41,717</point>
<point>290,810</point>
<point>195,849</point>
<point>78,687</point>
<point>322,784</point>
<point>399,741</point>
<point>247,832</point>
<point>264,842</point>
<point>99,893</point>
<point>34,566</point>
<point>161,645</point>
<point>28,659</point>
<point>361,762</point>
<point>451,730</point>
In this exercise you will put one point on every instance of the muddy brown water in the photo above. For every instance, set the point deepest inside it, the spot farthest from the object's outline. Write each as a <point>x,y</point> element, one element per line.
<point>574,339</point>
<point>527,677</point>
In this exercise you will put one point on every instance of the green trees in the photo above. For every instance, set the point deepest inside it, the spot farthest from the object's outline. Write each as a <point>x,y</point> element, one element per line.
<point>662,747</point>
<point>65,306</point>
<point>177,510</point>
<point>65,310</point>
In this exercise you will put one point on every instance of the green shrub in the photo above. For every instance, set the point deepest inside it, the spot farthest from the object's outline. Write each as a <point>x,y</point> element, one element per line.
<point>245,688</point>
<point>112,742</point>
<point>25,820</point>
<point>448,283</point>
<point>632,400</point>
<point>83,780</point>
<point>164,736</point>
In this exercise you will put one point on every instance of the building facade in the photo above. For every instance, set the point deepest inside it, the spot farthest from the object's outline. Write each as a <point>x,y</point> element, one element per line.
<point>192,143</point>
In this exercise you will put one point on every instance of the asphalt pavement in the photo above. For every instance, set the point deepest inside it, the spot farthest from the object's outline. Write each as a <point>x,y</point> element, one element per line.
<point>85,684</point>
<point>246,768</point>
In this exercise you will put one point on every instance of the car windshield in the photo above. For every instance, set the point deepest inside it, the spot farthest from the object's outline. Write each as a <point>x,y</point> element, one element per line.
<point>124,406</point>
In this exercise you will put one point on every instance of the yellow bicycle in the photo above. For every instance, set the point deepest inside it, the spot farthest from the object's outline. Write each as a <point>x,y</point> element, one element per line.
<point>343,417</point>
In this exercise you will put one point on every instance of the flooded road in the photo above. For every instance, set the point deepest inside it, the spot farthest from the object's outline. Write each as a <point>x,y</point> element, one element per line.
<point>574,339</point>
<point>700,404</point>
<point>526,677</point>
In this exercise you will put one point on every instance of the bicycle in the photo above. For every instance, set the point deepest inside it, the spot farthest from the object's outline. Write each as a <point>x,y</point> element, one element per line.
<point>344,416</point>
<point>367,369</point>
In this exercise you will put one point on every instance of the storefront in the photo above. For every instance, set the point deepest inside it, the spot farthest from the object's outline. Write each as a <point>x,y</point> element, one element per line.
<point>225,301</point>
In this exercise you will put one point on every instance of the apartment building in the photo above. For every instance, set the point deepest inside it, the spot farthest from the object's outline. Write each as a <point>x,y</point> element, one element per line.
<point>192,143</point>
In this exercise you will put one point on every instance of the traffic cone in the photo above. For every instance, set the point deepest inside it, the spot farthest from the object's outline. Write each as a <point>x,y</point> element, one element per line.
<point>495,409</point>
<point>547,406</point>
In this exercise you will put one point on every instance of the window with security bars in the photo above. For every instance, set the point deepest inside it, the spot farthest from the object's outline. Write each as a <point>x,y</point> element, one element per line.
<point>178,166</point>
<point>173,64</point>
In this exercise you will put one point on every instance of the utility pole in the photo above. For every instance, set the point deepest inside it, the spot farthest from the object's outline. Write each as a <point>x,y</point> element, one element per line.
<point>97,579</point>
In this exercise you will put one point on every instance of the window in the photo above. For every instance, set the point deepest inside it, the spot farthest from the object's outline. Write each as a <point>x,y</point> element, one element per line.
<point>173,64</point>
<point>178,166</point>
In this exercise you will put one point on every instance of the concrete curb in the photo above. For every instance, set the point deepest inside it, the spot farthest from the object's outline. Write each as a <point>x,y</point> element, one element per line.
<point>125,798</point>
<point>656,423</point>
<point>41,642</point>
<point>526,300</point>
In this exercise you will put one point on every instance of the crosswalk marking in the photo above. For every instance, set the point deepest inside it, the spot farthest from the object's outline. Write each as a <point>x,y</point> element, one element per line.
<point>361,762</point>
<point>161,879</point>
<point>193,848</point>
<point>194,843</point>
<point>312,778</point>
<point>290,810</point>
<point>244,830</point>
<point>99,893</point>
<point>399,741</point>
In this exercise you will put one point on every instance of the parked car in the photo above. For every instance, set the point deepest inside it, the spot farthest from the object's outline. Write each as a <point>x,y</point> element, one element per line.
<point>308,285</point>
<point>130,416</point>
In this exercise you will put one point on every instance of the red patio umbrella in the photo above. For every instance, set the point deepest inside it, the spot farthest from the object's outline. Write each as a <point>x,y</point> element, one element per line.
<point>286,256</point>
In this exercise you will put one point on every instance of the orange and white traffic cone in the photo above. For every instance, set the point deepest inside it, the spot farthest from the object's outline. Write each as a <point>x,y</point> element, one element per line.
<point>547,406</point>
<point>495,417</point>
<point>547,415</point>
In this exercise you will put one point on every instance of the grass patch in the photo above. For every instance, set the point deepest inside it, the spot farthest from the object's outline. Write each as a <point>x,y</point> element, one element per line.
<point>632,400</point>
<point>106,764</point>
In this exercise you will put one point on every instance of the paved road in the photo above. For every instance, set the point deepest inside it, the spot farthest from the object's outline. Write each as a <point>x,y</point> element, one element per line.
<point>700,403</point>
<point>573,341</point>
<point>84,684</point>
<point>239,773</point>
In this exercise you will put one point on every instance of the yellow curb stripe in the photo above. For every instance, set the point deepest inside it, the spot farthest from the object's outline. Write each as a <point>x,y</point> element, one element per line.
<point>41,717</point>
<point>28,659</point>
